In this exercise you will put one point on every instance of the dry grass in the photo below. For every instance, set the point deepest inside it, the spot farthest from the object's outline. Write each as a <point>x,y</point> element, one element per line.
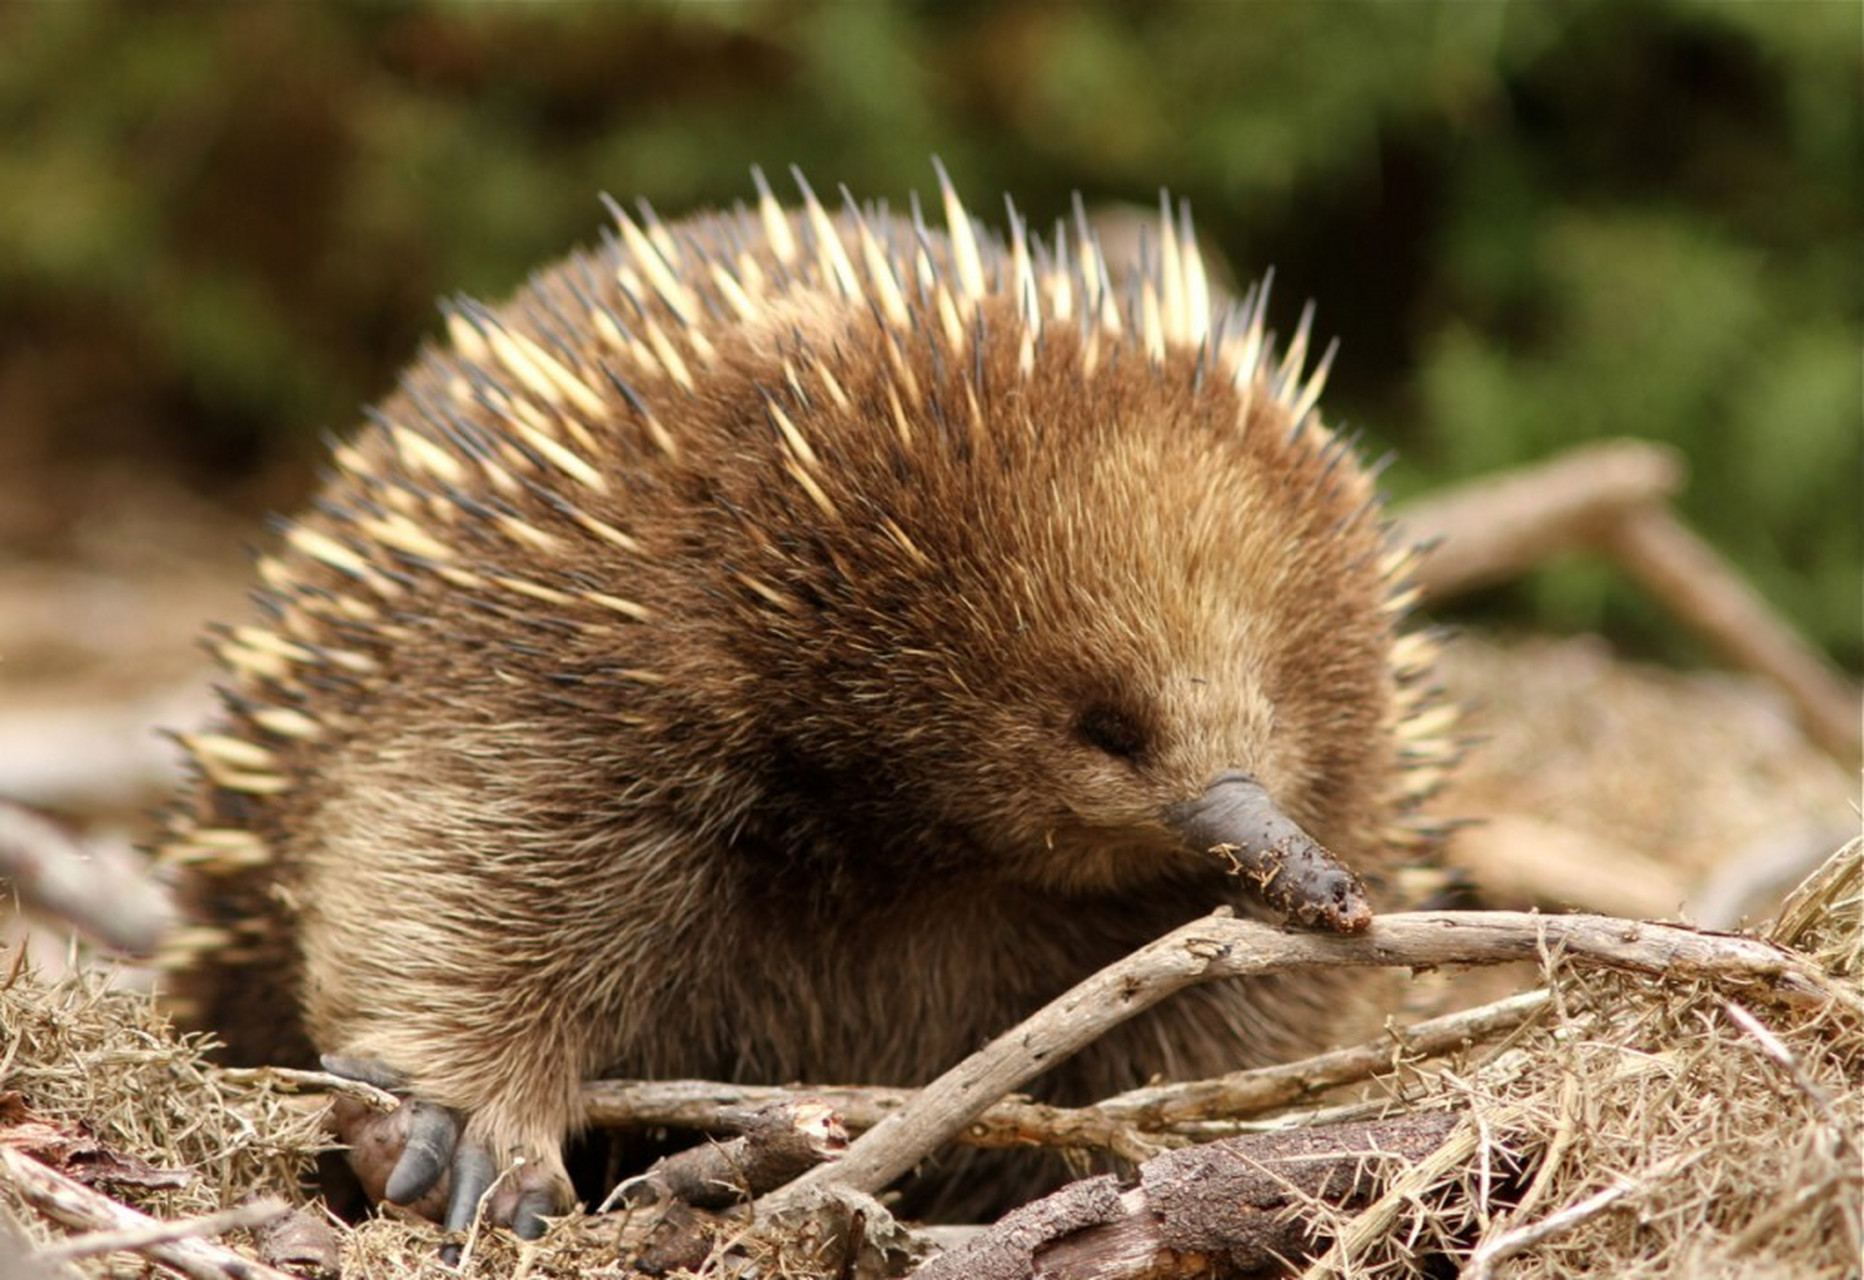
<point>1641,1128</point>
<point>1652,1128</point>
<point>97,1061</point>
<point>1644,1128</point>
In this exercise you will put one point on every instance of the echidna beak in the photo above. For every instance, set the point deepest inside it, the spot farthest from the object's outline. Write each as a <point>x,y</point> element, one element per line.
<point>1236,818</point>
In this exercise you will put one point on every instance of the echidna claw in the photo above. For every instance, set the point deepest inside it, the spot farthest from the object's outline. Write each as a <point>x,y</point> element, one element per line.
<point>364,1071</point>
<point>473,1171</point>
<point>527,1220</point>
<point>433,1132</point>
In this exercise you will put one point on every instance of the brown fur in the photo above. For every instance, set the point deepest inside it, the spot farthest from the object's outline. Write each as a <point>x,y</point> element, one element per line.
<point>817,803</point>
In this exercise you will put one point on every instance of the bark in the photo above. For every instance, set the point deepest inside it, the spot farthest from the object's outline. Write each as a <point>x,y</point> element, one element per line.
<point>1225,1209</point>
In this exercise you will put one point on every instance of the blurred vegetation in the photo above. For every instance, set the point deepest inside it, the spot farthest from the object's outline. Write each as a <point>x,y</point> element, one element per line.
<point>222,228</point>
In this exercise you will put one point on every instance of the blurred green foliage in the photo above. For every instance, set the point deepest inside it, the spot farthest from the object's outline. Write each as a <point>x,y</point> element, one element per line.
<point>222,228</point>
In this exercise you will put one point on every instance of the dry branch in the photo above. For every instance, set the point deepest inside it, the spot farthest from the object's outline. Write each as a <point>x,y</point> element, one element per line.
<point>1497,1249</point>
<point>778,1142</point>
<point>1404,1191</point>
<point>1525,861</point>
<point>55,873</point>
<point>1770,1044</point>
<point>1244,1093</point>
<point>77,1205</point>
<point>243,1217</point>
<point>1221,946</point>
<point>706,1105</point>
<point>1499,527</point>
<point>1696,584</point>
<point>292,1080</point>
<point>102,756</point>
<point>1222,1207</point>
<point>1131,1124</point>
<point>1612,497</point>
<point>1749,880</point>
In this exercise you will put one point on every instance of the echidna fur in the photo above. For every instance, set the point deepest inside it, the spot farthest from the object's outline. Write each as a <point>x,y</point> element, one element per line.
<point>686,670</point>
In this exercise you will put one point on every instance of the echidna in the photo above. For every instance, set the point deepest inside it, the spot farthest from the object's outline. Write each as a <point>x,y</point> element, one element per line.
<point>793,646</point>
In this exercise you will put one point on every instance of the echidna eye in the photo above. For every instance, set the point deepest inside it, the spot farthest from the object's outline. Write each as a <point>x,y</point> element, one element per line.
<point>1112,730</point>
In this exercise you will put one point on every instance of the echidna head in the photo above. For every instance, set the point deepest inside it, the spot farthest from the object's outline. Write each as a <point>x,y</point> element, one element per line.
<point>1032,634</point>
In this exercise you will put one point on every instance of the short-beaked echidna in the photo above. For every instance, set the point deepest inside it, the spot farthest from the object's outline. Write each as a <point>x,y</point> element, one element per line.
<point>794,646</point>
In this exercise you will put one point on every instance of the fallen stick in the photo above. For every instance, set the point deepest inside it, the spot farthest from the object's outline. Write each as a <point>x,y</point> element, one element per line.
<point>1523,861</point>
<point>77,1205</point>
<point>241,1217</point>
<point>1130,1124</point>
<point>1133,1125</point>
<point>1498,527</point>
<point>1221,946</point>
<point>97,890</point>
<point>776,1143</point>
<point>1750,880</point>
<point>1226,1201</point>
<point>1698,586</point>
<point>293,1080</point>
<point>1243,1093</point>
<point>1613,498</point>
<point>1497,1249</point>
<point>1403,1192</point>
<point>79,758</point>
<point>1469,1144</point>
<point>707,1106</point>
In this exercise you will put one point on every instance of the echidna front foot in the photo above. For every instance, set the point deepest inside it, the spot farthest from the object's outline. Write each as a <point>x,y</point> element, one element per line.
<point>427,1158</point>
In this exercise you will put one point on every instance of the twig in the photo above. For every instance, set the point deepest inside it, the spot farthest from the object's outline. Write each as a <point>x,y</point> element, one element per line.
<point>1501,526</point>
<point>1612,498</point>
<point>1129,1124</point>
<point>105,896</point>
<point>1696,584</point>
<point>1229,1198</point>
<point>1377,1218</point>
<point>292,1079</point>
<point>23,1261</point>
<point>1749,881</point>
<point>1473,1141</point>
<point>1224,947</point>
<point>77,758</point>
<point>77,1205</point>
<point>1496,1249</point>
<point>1774,1048</point>
<point>462,1261</point>
<point>1566,1127</point>
<point>1248,1092</point>
<point>707,1106</point>
<point>778,1142</point>
<point>1524,861</point>
<point>139,1239</point>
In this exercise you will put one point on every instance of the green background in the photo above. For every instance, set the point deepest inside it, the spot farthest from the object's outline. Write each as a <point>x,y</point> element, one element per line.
<point>223,228</point>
